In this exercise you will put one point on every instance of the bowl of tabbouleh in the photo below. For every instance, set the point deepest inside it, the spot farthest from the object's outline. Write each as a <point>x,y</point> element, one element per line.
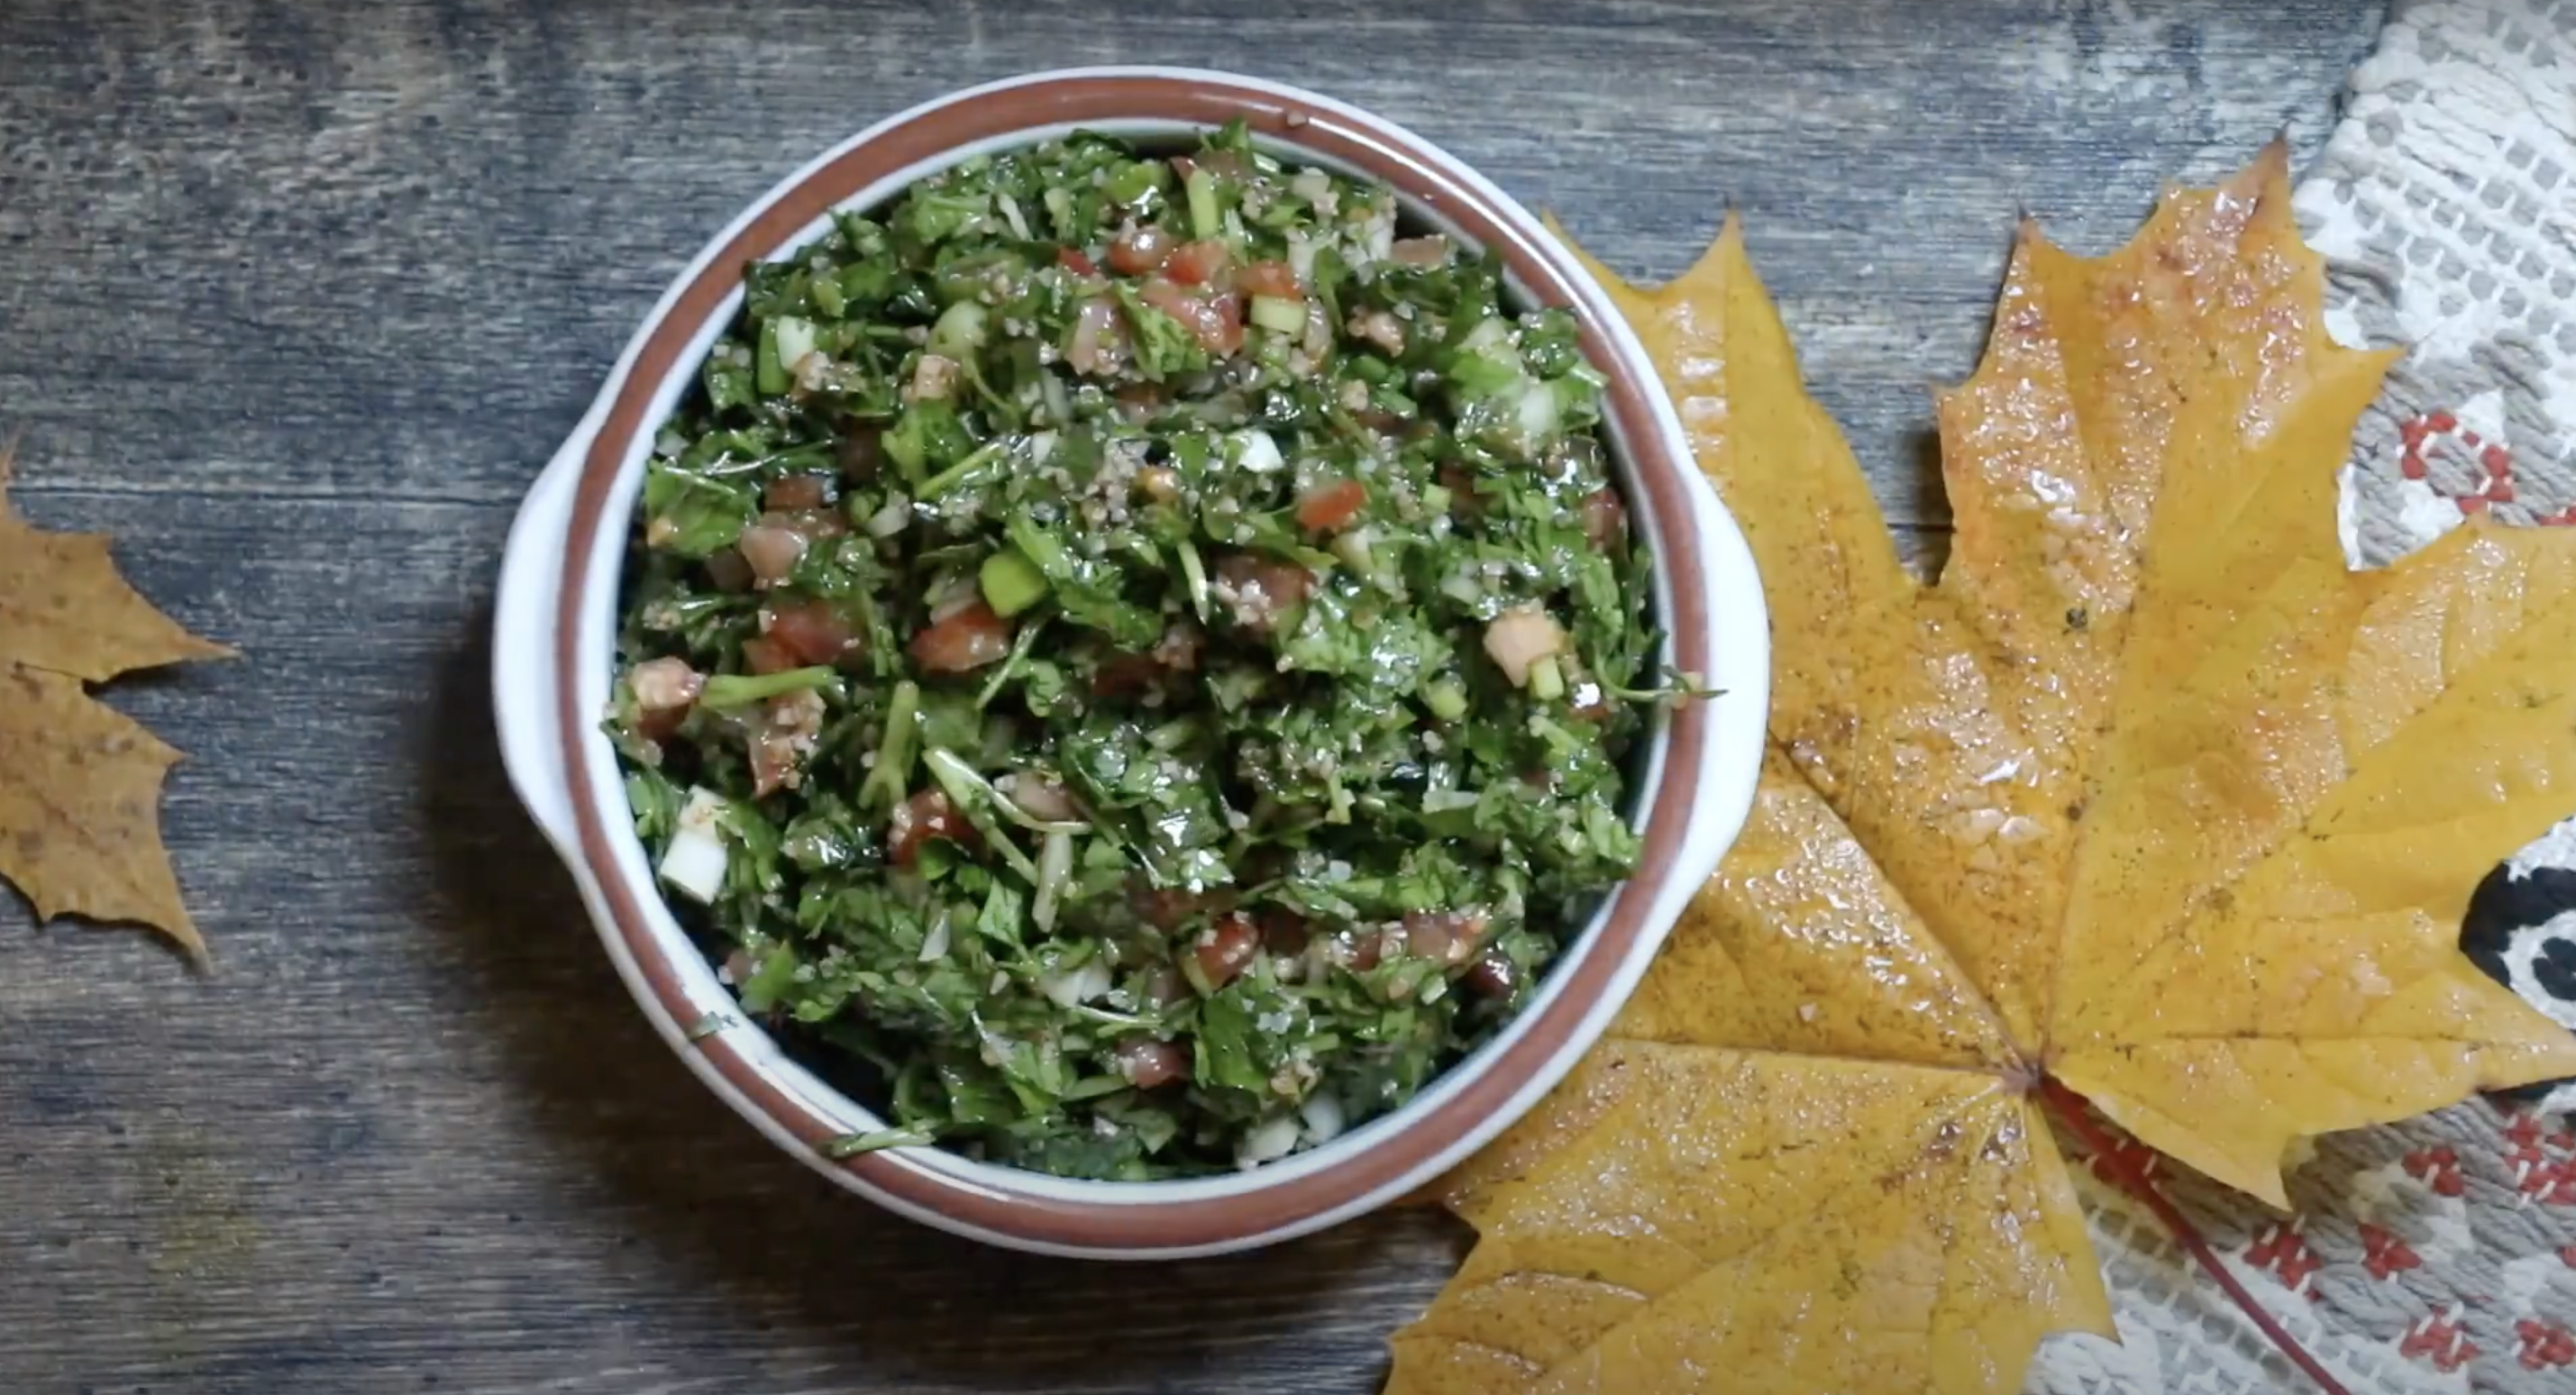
<point>1132,662</point>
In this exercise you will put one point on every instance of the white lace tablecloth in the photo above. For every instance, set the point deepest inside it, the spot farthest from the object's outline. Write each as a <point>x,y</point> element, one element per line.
<point>2439,1254</point>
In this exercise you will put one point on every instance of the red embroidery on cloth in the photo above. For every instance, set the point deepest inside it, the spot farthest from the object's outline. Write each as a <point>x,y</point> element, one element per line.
<point>2418,434</point>
<point>2544,1344</point>
<point>2436,1167</point>
<point>2283,1250</point>
<point>2438,1338</point>
<point>2141,1160</point>
<point>2549,1180</point>
<point>2384,1255</point>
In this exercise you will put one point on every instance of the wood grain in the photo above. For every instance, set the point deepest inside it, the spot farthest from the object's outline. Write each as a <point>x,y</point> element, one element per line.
<point>296,297</point>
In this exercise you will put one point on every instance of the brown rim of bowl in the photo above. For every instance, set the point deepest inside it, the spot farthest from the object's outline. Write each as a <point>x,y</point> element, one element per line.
<point>1416,171</point>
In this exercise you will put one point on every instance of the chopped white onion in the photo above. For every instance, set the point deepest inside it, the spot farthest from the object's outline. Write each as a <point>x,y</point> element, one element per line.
<point>1040,797</point>
<point>1492,337</point>
<point>1316,188</point>
<point>1323,1115</point>
<point>890,520</point>
<point>1273,1138</point>
<point>795,339</point>
<point>935,944</point>
<point>811,370</point>
<point>1074,986</point>
<point>1011,215</point>
<point>1441,801</point>
<point>1301,256</point>
<point>694,864</point>
<point>1353,548</point>
<point>1519,638</point>
<point>1255,451</point>
<point>960,594</point>
<point>1055,865</point>
<point>1538,411</point>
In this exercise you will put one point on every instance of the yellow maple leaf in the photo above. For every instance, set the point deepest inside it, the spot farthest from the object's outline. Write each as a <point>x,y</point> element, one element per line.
<point>2148,795</point>
<point>80,784</point>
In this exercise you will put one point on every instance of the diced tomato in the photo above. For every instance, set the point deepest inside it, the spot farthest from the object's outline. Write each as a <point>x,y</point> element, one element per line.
<point>1198,263</point>
<point>1423,252</point>
<point>862,452</point>
<point>1140,401</point>
<point>1360,952</point>
<point>1462,490</point>
<point>1605,519</point>
<point>1099,345</point>
<point>1493,977</point>
<point>812,631</point>
<point>772,550</point>
<point>1141,251</point>
<point>917,820</point>
<point>1519,637</point>
<point>1447,936</point>
<point>1380,328</point>
<point>728,571</point>
<point>1270,278</point>
<point>1121,675</point>
<point>1227,948</point>
<point>1178,649</point>
<point>1329,508</point>
<point>1284,932</point>
<point>813,525</point>
<point>1164,987</point>
<point>665,689</point>
<point>1215,320</point>
<point>1164,908</point>
<point>789,725</point>
<point>967,640</point>
<point>1259,590</point>
<point>1181,167</point>
<point>795,492</point>
<point>762,654</point>
<point>1073,260</point>
<point>1147,1064</point>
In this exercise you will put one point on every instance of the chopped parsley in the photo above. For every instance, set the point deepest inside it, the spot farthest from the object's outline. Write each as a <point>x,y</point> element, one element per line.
<point>1133,656</point>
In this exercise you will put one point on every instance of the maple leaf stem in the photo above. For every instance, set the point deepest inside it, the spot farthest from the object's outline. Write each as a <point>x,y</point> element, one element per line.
<point>2069,1107</point>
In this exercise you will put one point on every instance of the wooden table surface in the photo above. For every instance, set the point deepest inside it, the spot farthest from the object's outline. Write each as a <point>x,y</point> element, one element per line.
<point>295,298</point>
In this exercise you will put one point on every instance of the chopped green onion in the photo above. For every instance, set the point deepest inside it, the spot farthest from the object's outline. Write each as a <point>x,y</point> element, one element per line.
<point>1203,210</point>
<point>1194,575</point>
<point>1546,683</point>
<point>975,462</point>
<point>795,340</point>
<point>851,1145</point>
<point>1011,582</point>
<point>1277,314</point>
<point>828,298</point>
<point>1055,863</point>
<point>961,331</point>
<point>1446,699</point>
<point>976,798</point>
<point>888,778</point>
<point>768,373</point>
<point>743,689</point>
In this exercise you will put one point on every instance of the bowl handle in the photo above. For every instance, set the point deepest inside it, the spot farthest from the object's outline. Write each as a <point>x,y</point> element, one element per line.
<point>525,685</point>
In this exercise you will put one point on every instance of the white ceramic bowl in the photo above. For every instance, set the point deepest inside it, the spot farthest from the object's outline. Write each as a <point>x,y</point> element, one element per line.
<point>557,620</point>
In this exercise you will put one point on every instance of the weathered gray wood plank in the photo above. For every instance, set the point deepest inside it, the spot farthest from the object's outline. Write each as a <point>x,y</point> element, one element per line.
<point>295,298</point>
